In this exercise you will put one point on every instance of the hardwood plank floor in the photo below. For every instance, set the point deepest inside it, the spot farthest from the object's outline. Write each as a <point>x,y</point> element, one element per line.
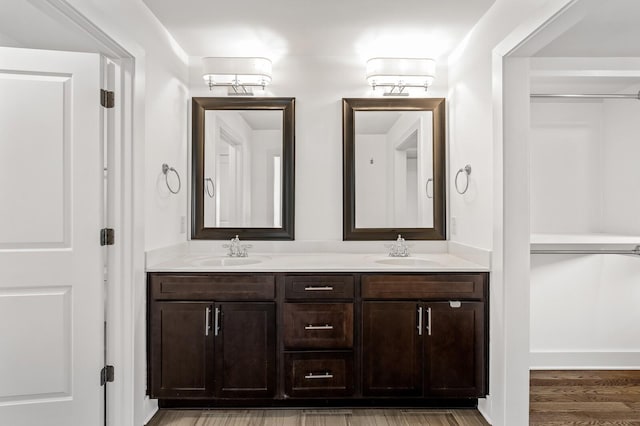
<point>584,397</point>
<point>355,417</point>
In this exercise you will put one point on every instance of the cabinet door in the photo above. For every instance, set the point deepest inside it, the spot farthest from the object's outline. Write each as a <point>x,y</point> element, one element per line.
<point>454,349</point>
<point>245,350</point>
<point>181,350</point>
<point>392,349</point>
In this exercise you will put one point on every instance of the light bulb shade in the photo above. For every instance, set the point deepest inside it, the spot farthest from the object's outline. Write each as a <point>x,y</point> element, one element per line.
<point>401,71</point>
<point>247,71</point>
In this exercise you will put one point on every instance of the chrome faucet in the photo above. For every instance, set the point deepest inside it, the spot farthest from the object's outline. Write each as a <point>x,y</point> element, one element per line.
<point>399,248</point>
<point>236,249</point>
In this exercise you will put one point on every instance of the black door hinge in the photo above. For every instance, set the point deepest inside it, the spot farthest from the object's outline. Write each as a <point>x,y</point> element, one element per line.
<point>107,375</point>
<point>107,236</point>
<point>107,98</point>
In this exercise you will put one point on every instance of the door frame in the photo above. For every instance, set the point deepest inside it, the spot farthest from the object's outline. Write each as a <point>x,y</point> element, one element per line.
<point>125,266</point>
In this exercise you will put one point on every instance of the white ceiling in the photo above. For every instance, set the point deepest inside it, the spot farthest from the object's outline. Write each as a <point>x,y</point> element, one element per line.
<point>375,122</point>
<point>263,119</point>
<point>23,24</point>
<point>590,28</point>
<point>275,28</point>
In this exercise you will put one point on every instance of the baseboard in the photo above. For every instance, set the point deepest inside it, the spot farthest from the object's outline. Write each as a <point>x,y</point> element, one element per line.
<point>584,360</point>
<point>151,409</point>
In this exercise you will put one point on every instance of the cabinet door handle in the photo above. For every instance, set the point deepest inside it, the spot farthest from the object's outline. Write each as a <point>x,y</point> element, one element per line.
<point>318,327</point>
<point>318,288</point>
<point>429,328</point>
<point>419,320</point>
<point>216,324</point>
<point>326,375</point>
<point>207,321</point>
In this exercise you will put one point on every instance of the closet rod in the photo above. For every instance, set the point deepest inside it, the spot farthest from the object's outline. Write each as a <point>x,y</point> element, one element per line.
<point>635,251</point>
<point>587,96</point>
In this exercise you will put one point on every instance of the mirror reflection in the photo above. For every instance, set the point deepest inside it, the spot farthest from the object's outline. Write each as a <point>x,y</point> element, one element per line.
<point>393,169</point>
<point>243,168</point>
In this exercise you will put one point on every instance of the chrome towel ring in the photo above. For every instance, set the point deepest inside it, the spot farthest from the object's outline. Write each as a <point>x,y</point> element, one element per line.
<point>210,187</point>
<point>467,171</point>
<point>165,170</point>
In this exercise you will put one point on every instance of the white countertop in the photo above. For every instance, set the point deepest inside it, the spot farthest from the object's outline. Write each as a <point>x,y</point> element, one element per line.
<point>312,262</point>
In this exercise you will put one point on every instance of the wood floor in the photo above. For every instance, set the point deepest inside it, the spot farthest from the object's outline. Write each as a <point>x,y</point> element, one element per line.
<point>585,398</point>
<point>355,417</point>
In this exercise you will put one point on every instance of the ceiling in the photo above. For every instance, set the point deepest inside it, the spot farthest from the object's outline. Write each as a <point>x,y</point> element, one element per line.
<point>262,119</point>
<point>590,28</point>
<point>275,28</point>
<point>47,28</point>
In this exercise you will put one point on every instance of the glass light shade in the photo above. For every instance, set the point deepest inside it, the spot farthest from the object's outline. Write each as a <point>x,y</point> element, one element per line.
<point>249,71</point>
<point>401,71</point>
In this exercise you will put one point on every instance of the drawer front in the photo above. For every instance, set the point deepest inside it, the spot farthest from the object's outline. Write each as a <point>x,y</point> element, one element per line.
<point>219,287</point>
<point>319,374</point>
<point>318,325</point>
<point>319,287</point>
<point>425,286</point>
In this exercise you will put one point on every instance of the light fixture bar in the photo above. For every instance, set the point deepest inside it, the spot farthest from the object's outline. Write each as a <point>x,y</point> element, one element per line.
<point>239,74</point>
<point>400,73</point>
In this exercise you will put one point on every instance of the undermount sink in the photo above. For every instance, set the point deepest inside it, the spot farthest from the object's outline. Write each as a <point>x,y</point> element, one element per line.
<point>407,261</point>
<point>225,261</point>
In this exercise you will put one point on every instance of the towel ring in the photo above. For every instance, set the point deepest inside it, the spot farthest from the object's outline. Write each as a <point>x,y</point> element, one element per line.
<point>166,169</point>
<point>426,188</point>
<point>210,192</point>
<point>467,171</point>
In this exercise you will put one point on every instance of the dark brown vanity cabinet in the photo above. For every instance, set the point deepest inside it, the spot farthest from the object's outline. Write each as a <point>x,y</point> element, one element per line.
<point>201,346</point>
<point>424,346</point>
<point>318,336</point>
<point>293,338</point>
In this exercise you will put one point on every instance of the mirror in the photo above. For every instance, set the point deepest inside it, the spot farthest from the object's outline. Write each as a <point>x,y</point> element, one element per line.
<point>394,168</point>
<point>243,168</point>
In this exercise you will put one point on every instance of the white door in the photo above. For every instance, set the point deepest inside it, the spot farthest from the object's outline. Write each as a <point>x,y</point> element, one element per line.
<point>51,265</point>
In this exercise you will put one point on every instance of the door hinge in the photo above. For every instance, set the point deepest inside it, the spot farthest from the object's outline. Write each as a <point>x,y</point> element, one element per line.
<point>107,236</point>
<point>107,98</point>
<point>107,374</point>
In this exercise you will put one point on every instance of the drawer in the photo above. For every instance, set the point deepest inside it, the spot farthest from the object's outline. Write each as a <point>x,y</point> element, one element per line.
<point>318,325</point>
<point>319,287</point>
<point>235,287</point>
<point>319,374</point>
<point>425,286</point>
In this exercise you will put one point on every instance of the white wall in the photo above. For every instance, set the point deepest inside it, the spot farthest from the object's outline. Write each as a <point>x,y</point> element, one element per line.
<point>318,83</point>
<point>476,96</point>
<point>160,132</point>
<point>264,144</point>
<point>584,311</point>
<point>566,167</point>
<point>371,181</point>
<point>621,183</point>
<point>583,308</point>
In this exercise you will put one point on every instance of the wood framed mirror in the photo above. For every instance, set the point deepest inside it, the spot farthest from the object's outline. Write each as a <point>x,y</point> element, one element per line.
<point>393,168</point>
<point>243,168</point>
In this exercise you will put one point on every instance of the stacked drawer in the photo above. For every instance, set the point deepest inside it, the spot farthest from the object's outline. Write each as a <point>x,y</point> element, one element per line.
<point>318,335</point>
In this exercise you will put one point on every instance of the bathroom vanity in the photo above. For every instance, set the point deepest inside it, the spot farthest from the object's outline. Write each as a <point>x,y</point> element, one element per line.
<point>271,337</point>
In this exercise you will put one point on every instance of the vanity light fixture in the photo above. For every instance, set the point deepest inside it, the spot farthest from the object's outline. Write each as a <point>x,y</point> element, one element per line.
<point>399,73</point>
<point>238,74</point>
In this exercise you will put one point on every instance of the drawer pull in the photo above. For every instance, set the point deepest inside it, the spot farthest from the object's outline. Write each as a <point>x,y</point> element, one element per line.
<point>326,375</point>
<point>318,327</point>
<point>216,325</point>
<point>207,321</point>
<point>318,288</point>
